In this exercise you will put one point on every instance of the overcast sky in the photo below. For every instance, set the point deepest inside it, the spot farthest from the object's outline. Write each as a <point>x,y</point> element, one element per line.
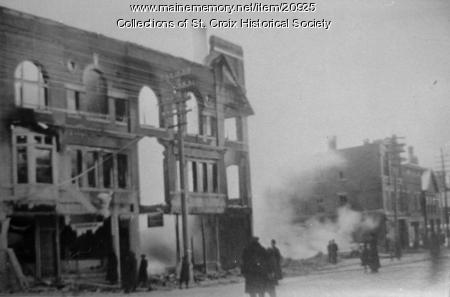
<point>382,68</point>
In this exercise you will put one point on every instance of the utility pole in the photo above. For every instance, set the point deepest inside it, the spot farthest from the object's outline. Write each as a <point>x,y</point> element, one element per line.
<point>444,183</point>
<point>395,160</point>
<point>180,81</point>
<point>181,158</point>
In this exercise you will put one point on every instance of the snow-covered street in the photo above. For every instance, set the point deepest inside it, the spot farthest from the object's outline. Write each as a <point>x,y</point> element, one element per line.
<point>414,275</point>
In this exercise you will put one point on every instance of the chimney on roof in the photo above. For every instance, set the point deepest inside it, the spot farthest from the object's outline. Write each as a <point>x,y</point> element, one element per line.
<point>366,141</point>
<point>332,142</point>
<point>199,45</point>
<point>412,159</point>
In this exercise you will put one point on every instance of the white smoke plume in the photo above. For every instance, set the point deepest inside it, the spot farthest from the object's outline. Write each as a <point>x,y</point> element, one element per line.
<point>277,215</point>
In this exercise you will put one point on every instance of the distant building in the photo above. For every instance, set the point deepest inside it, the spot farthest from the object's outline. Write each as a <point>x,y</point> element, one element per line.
<point>365,179</point>
<point>74,105</point>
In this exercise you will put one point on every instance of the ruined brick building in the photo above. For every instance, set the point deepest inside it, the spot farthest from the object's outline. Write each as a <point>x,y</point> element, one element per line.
<point>364,179</point>
<point>73,107</point>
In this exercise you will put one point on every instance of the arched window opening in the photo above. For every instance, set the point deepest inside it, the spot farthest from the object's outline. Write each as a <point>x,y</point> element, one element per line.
<point>30,86</point>
<point>148,107</point>
<point>96,92</point>
<point>192,116</point>
<point>231,129</point>
<point>233,182</point>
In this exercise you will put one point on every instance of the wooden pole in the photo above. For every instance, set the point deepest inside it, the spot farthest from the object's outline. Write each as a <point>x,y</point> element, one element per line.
<point>57,251</point>
<point>116,239</point>
<point>447,231</point>
<point>183,174</point>
<point>37,246</point>
<point>203,243</point>
<point>177,238</point>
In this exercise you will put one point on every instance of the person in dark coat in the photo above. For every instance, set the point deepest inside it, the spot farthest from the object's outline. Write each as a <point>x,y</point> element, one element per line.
<point>373,258</point>
<point>111,268</point>
<point>272,263</point>
<point>254,268</point>
<point>275,260</point>
<point>333,251</point>
<point>142,274</point>
<point>129,272</point>
<point>184,272</point>
<point>329,252</point>
<point>364,256</point>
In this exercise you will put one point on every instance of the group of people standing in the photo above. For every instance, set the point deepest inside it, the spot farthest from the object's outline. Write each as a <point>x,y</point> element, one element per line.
<point>261,268</point>
<point>132,277</point>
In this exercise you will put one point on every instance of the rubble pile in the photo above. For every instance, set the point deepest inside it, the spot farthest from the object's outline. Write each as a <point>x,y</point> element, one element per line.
<point>294,267</point>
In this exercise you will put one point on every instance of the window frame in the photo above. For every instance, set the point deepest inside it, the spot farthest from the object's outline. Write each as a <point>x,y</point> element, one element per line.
<point>206,179</point>
<point>31,146</point>
<point>42,100</point>
<point>104,156</point>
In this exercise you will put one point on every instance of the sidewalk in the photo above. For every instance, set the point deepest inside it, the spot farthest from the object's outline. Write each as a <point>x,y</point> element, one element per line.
<point>353,264</point>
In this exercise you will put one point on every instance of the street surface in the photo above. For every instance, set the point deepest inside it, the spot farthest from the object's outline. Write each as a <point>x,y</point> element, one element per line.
<point>412,276</point>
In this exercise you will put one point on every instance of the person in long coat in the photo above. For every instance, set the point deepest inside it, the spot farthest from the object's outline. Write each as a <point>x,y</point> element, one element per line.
<point>329,248</point>
<point>184,272</point>
<point>255,268</point>
<point>334,251</point>
<point>142,274</point>
<point>364,256</point>
<point>275,259</point>
<point>373,258</point>
<point>129,271</point>
<point>272,263</point>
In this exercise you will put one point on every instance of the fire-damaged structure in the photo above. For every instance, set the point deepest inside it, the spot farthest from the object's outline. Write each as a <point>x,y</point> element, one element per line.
<point>74,105</point>
<point>399,197</point>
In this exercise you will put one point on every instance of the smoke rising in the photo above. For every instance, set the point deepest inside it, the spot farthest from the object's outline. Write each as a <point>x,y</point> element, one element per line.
<point>278,214</point>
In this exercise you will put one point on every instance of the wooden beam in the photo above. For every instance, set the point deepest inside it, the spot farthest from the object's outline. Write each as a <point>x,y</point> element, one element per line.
<point>57,250</point>
<point>37,247</point>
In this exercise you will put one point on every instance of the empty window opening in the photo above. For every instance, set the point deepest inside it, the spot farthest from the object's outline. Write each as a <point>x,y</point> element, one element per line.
<point>100,169</point>
<point>22,165</point>
<point>231,129</point>
<point>77,167</point>
<point>96,90</point>
<point>148,107</point>
<point>34,157</point>
<point>30,86</point>
<point>121,110</point>
<point>233,181</point>
<point>108,170</point>
<point>202,177</point>
<point>73,98</point>
<point>44,165</point>
<point>215,180</point>
<point>194,177</point>
<point>192,115</point>
<point>92,166</point>
<point>205,177</point>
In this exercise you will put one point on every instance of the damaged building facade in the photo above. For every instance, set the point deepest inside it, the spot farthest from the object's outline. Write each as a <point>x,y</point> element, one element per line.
<point>74,106</point>
<point>367,179</point>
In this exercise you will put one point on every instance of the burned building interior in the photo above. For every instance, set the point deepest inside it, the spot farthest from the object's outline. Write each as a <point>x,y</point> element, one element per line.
<point>74,106</point>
